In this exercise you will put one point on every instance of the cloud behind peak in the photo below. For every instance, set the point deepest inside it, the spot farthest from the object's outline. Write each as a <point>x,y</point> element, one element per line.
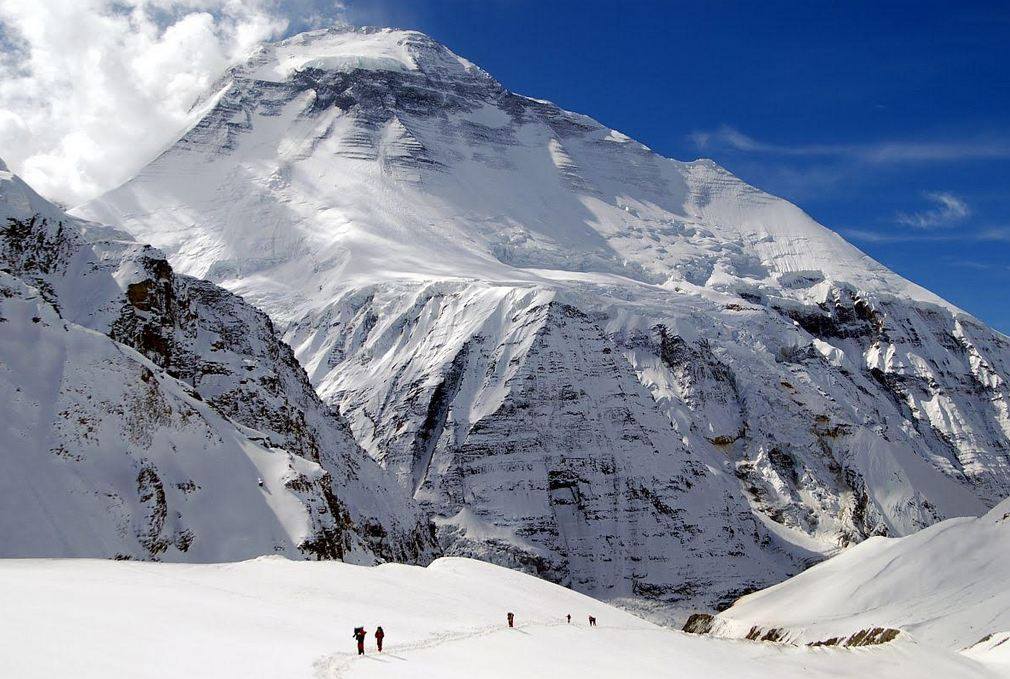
<point>90,90</point>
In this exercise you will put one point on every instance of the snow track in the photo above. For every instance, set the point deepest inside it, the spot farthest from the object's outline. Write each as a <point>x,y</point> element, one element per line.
<point>338,665</point>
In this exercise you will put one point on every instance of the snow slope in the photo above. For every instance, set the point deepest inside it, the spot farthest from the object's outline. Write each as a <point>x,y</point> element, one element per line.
<point>276,618</point>
<point>947,585</point>
<point>229,357</point>
<point>639,377</point>
<point>103,455</point>
<point>380,153</point>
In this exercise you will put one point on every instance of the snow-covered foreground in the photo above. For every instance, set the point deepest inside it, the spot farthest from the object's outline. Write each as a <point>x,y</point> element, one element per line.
<point>271,617</point>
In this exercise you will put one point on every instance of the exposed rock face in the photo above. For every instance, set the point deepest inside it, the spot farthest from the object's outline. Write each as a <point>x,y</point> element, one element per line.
<point>576,461</point>
<point>639,377</point>
<point>699,623</point>
<point>865,637</point>
<point>230,356</point>
<point>548,444</point>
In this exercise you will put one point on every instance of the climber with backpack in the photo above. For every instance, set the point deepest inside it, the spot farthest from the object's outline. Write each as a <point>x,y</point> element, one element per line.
<point>359,636</point>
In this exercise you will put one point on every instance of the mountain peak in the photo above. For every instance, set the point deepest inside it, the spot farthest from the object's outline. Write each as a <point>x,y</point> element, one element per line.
<point>344,48</point>
<point>489,184</point>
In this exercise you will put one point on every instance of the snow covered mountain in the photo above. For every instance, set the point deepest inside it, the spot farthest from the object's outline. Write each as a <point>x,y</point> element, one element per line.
<point>634,376</point>
<point>946,586</point>
<point>103,456</point>
<point>158,454</point>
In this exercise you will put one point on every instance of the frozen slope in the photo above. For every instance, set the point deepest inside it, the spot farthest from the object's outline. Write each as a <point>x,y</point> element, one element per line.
<point>635,376</point>
<point>104,456</point>
<point>275,618</point>
<point>227,354</point>
<point>408,160</point>
<point>947,585</point>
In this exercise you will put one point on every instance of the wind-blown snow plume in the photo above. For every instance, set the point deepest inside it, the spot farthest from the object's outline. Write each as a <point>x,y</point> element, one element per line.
<point>90,90</point>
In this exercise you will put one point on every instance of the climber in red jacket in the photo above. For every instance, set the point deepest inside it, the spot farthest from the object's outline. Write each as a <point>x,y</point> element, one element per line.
<point>359,636</point>
<point>379,634</point>
<point>510,616</point>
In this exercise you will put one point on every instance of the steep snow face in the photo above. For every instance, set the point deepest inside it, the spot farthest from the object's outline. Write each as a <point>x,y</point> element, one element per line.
<point>41,246</point>
<point>276,618</point>
<point>231,358</point>
<point>379,153</point>
<point>947,585</point>
<point>105,456</point>
<point>559,341</point>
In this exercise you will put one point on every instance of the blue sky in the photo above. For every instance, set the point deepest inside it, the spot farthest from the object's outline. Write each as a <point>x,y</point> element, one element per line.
<point>888,122</point>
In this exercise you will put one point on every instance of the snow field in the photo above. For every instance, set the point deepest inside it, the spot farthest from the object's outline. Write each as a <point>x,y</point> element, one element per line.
<point>271,617</point>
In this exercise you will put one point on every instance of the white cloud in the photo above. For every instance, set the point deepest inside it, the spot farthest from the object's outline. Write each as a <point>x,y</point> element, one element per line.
<point>998,233</point>
<point>730,138</point>
<point>871,236</point>
<point>90,90</point>
<point>970,264</point>
<point>948,210</point>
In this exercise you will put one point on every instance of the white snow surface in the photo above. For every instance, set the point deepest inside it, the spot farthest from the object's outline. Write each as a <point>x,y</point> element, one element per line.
<point>342,49</point>
<point>271,617</point>
<point>95,439</point>
<point>512,190</point>
<point>947,585</point>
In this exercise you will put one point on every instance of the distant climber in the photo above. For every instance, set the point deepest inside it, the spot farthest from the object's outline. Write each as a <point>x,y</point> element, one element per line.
<point>569,616</point>
<point>378,637</point>
<point>592,621</point>
<point>359,636</point>
<point>511,616</point>
<point>260,482</point>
